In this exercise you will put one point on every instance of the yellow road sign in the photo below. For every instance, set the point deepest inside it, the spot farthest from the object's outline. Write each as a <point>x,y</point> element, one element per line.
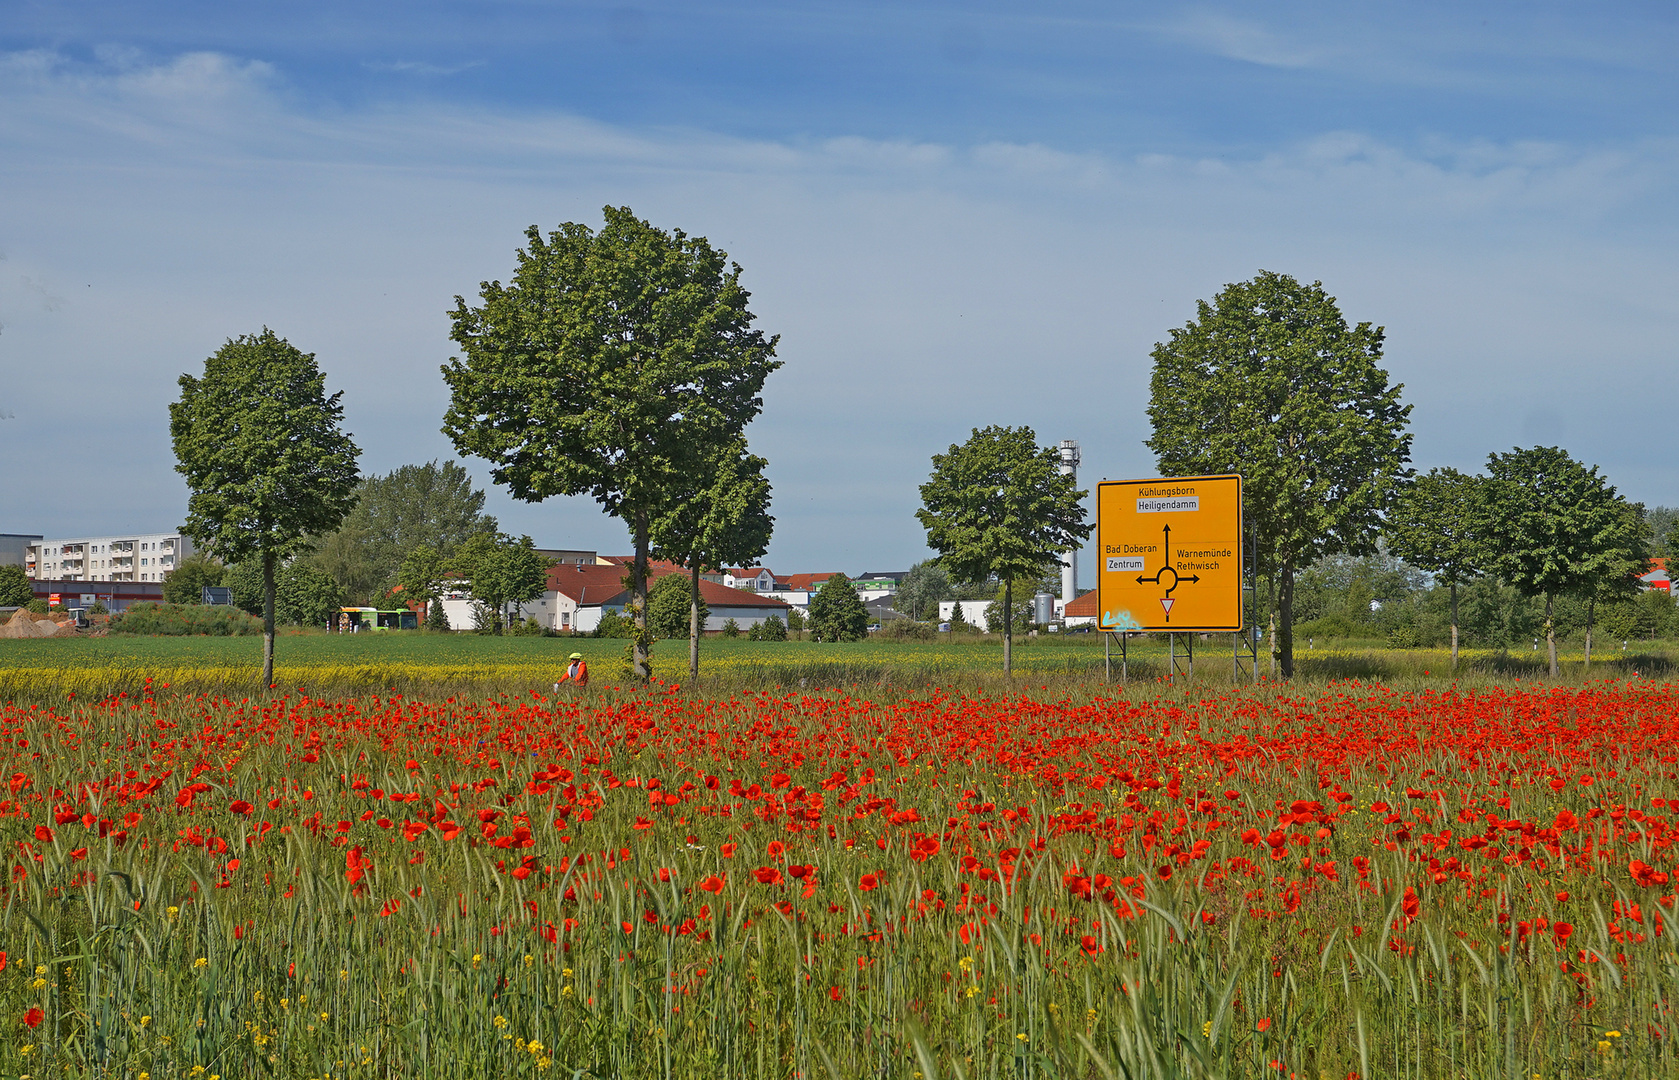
<point>1170,554</point>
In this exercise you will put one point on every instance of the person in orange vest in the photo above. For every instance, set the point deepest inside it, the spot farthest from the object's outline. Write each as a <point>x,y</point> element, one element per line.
<point>576,672</point>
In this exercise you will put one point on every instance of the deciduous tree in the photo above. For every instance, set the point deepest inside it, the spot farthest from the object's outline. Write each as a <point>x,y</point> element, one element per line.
<point>999,505</point>
<point>670,606</point>
<point>421,576</point>
<point>15,589</point>
<point>836,612</point>
<point>265,459</point>
<point>1554,527</point>
<point>722,520</point>
<point>1434,527</point>
<point>502,571</point>
<point>431,505</point>
<point>307,595</point>
<point>1270,382</point>
<point>196,573</point>
<point>609,366</point>
<point>921,590</point>
<point>1628,552</point>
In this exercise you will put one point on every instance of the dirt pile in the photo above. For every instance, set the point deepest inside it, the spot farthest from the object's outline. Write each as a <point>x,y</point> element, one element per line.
<point>24,624</point>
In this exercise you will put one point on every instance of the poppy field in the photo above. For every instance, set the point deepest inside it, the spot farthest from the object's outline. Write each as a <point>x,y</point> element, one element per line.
<point>1351,880</point>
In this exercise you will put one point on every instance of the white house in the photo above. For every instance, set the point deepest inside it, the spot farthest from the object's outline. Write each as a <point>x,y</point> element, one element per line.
<point>754,578</point>
<point>973,611</point>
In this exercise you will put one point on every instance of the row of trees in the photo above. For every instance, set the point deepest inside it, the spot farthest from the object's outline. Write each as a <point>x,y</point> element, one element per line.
<point>1381,597</point>
<point>499,570</point>
<point>1270,381</point>
<point>621,364</point>
<point>1538,521</point>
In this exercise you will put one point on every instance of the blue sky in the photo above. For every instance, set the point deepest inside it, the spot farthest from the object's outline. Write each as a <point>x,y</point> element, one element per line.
<point>954,215</point>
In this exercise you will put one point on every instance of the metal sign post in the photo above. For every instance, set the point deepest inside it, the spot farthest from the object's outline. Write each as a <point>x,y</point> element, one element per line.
<point>1173,667</point>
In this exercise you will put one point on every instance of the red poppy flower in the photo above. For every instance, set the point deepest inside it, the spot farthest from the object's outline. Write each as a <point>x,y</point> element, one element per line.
<point>34,1017</point>
<point>712,884</point>
<point>241,807</point>
<point>835,993</point>
<point>768,875</point>
<point>870,882</point>
<point>1264,1024</point>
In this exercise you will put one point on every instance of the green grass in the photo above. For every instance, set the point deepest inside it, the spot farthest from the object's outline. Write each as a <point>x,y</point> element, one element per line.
<point>49,669</point>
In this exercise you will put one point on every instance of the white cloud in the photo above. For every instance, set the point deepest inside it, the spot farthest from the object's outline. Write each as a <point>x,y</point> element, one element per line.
<point>1237,38</point>
<point>920,288</point>
<point>418,67</point>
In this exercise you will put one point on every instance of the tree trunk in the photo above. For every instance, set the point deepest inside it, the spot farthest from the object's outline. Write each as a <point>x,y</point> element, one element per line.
<point>1285,622</point>
<point>694,626</point>
<point>1550,636</point>
<point>1454,627</point>
<point>1270,602</point>
<point>1008,629</point>
<point>1591,607</point>
<point>641,662</point>
<point>267,618</point>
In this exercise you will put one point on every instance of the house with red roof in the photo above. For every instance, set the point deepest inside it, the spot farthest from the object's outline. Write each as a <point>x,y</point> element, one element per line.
<point>578,596</point>
<point>806,582</point>
<point>1658,577</point>
<point>1080,611</point>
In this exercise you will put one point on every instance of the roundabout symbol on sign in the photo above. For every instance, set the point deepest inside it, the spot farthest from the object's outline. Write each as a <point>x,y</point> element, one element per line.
<point>1166,572</point>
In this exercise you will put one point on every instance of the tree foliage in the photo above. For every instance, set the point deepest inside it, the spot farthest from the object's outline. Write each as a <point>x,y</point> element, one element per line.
<point>15,588</point>
<point>423,573</point>
<point>1436,526</point>
<point>1555,527</point>
<point>1270,382</point>
<point>244,581</point>
<point>501,571</point>
<point>999,505</point>
<point>669,607</point>
<point>921,590</point>
<point>266,463</point>
<point>721,519</point>
<point>610,365</point>
<point>836,612</point>
<point>430,506</point>
<point>195,573</point>
<point>1628,552</point>
<point>307,595</point>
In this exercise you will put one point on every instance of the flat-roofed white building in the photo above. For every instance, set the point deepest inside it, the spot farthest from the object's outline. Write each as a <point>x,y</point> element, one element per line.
<point>131,557</point>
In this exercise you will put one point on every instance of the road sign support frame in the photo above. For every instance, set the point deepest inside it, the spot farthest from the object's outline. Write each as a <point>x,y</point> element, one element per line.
<point>1107,657</point>
<point>1242,642</point>
<point>1173,667</point>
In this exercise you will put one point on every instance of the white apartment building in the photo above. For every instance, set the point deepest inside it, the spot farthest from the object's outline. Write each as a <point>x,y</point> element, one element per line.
<point>136,557</point>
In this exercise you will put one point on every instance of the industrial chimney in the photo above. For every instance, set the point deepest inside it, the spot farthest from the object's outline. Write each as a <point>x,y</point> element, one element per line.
<point>1070,560</point>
